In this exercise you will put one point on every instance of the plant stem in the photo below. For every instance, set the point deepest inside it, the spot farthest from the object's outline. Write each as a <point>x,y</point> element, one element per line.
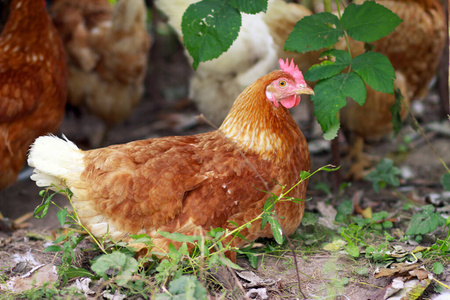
<point>82,226</point>
<point>327,5</point>
<point>446,239</point>
<point>345,33</point>
<point>441,283</point>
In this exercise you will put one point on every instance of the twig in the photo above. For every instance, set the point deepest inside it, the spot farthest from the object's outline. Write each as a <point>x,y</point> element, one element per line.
<point>291,246</point>
<point>238,283</point>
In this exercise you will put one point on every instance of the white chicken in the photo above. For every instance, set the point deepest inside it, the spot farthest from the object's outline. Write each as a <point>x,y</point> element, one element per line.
<point>252,55</point>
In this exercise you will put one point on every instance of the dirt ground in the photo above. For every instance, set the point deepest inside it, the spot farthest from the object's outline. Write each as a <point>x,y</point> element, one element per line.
<point>165,110</point>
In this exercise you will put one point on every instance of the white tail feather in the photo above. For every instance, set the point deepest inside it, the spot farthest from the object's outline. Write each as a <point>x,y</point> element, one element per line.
<point>55,161</point>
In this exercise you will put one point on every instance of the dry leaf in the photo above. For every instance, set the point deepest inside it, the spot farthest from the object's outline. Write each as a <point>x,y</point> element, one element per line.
<point>35,278</point>
<point>420,274</point>
<point>254,280</point>
<point>397,270</point>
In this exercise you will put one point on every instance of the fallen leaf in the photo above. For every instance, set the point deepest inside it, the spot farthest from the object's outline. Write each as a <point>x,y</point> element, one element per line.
<point>335,245</point>
<point>117,295</point>
<point>254,280</point>
<point>33,279</point>
<point>396,285</point>
<point>412,289</point>
<point>420,274</point>
<point>419,249</point>
<point>260,293</point>
<point>398,252</point>
<point>82,285</point>
<point>367,213</point>
<point>397,270</point>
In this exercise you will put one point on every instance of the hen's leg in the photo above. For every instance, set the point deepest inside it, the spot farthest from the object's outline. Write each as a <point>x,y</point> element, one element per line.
<point>360,161</point>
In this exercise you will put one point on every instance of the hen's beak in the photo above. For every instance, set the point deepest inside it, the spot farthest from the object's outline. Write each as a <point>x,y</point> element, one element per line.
<point>304,90</point>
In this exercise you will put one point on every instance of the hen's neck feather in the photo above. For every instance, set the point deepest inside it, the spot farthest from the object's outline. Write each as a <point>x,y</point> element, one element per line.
<point>256,125</point>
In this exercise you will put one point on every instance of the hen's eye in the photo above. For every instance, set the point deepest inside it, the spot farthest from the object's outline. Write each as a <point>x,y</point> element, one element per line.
<point>282,83</point>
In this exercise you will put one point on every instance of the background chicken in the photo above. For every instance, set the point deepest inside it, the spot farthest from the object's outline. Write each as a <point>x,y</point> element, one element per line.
<point>107,52</point>
<point>414,49</point>
<point>255,52</point>
<point>33,82</point>
<point>183,184</point>
<point>281,18</point>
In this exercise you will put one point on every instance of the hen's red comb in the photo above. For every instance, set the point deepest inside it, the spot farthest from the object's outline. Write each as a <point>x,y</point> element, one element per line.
<point>292,69</point>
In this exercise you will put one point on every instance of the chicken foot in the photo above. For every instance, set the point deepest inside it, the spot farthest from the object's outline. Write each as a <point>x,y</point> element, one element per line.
<point>360,160</point>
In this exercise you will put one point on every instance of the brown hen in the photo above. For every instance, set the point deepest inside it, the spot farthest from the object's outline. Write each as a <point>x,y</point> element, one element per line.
<point>189,184</point>
<point>414,49</point>
<point>33,83</point>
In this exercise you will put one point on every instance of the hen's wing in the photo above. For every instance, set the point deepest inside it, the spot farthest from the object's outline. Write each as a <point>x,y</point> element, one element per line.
<point>140,184</point>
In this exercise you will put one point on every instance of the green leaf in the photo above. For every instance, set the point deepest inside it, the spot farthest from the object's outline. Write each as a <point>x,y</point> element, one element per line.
<point>179,237</point>
<point>362,271</point>
<point>209,28</point>
<point>326,169</point>
<point>253,259</point>
<point>78,272</point>
<point>125,265</point>
<point>227,262</point>
<point>445,181</point>
<point>385,173</point>
<point>141,238</point>
<point>309,219</point>
<point>239,235</point>
<point>344,209</point>
<point>330,96</point>
<point>387,224</point>
<point>314,32</point>
<point>217,232</point>
<point>53,248</point>
<point>42,210</point>
<point>425,222</point>
<point>177,254</point>
<point>395,111</point>
<point>336,245</point>
<point>249,7</point>
<point>62,237</point>
<point>276,230</point>
<point>336,62</point>
<point>352,249</point>
<point>438,268</point>
<point>369,22</point>
<point>267,210</point>
<point>332,131</point>
<point>187,288</point>
<point>376,70</point>
<point>304,175</point>
<point>61,215</point>
<point>378,216</point>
